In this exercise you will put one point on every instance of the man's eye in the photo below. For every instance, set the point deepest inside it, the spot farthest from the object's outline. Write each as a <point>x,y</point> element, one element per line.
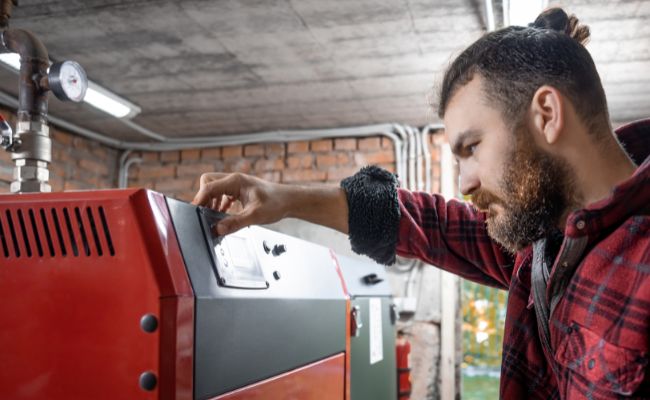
<point>471,149</point>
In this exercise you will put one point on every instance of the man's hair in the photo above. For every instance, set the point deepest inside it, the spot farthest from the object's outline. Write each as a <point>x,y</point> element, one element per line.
<point>514,62</point>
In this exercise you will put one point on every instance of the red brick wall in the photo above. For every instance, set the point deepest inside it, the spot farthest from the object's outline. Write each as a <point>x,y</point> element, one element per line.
<point>176,173</point>
<point>77,163</point>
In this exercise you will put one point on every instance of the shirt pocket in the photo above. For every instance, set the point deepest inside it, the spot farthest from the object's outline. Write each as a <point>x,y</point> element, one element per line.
<point>595,368</point>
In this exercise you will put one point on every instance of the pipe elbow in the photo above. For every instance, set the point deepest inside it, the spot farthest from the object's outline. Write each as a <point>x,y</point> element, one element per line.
<point>26,44</point>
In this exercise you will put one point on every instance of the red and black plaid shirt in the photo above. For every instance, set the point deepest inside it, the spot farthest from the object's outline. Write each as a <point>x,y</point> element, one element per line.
<point>600,328</point>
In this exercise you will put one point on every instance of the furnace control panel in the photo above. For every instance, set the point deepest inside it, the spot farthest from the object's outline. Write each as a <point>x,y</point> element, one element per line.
<point>234,259</point>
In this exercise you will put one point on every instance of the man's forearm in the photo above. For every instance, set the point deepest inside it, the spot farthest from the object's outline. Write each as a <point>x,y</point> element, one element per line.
<point>322,205</point>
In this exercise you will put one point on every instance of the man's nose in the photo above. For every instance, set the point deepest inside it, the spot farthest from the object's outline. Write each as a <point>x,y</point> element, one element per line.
<point>468,181</point>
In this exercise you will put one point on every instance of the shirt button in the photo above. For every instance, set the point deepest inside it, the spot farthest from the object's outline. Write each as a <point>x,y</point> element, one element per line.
<point>580,224</point>
<point>592,364</point>
<point>565,264</point>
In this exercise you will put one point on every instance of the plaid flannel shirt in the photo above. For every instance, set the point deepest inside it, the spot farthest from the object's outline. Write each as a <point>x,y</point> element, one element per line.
<point>599,328</point>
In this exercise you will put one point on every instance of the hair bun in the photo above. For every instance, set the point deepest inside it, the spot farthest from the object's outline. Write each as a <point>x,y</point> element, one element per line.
<point>558,20</point>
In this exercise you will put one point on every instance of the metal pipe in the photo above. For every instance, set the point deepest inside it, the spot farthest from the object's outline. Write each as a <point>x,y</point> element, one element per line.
<point>427,154</point>
<point>31,146</point>
<point>489,11</point>
<point>123,179</point>
<point>5,12</point>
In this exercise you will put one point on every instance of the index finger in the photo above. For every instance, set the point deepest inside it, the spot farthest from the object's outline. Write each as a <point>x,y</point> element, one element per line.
<point>228,185</point>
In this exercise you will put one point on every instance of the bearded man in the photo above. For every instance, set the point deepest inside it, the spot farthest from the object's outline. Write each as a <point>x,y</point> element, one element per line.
<point>559,215</point>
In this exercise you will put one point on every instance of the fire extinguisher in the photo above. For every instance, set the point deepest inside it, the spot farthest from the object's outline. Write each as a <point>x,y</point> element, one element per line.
<point>403,350</point>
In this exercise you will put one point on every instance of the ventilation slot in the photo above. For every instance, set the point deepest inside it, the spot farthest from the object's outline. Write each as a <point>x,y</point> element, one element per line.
<point>59,234</point>
<point>3,239</point>
<point>84,238</point>
<point>12,231</point>
<point>48,235</point>
<point>32,232</point>
<point>107,232</point>
<point>68,224</point>
<point>93,229</point>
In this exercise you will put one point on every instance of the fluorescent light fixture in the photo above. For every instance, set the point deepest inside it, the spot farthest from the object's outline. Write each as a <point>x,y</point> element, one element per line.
<point>11,59</point>
<point>97,96</point>
<point>522,12</point>
<point>109,102</point>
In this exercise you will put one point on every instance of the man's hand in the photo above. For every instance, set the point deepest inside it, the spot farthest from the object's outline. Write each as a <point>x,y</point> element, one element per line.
<point>267,202</point>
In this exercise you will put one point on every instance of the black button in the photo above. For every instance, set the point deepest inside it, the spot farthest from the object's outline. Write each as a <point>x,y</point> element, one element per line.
<point>148,381</point>
<point>276,275</point>
<point>569,330</point>
<point>592,364</point>
<point>278,249</point>
<point>149,323</point>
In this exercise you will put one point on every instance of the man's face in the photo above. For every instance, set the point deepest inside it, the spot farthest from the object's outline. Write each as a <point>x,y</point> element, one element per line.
<point>523,189</point>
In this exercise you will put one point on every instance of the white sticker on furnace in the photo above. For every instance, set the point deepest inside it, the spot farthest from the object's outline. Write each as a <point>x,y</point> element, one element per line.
<point>376,341</point>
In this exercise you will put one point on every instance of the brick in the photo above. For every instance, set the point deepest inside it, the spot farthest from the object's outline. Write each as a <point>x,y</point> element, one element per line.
<point>190,155</point>
<point>77,185</point>
<point>184,196</point>
<point>326,160</point>
<point>252,150</point>
<point>61,137</point>
<point>174,185</point>
<point>343,159</point>
<point>274,150</point>
<point>153,172</point>
<point>339,174</point>
<point>321,145</point>
<point>345,144</point>
<point>372,143</point>
<point>79,143</point>
<point>238,165</point>
<point>269,165</point>
<point>231,151</point>
<point>96,167</point>
<point>305,175</point>
<point>150,156</point>
<point>273,176</point>
<point>298,147</point>
<point>170,156</point>
<point>194,170</point>
<point>102,152</point>
<point>387,143</point>
<point>6,172</point>
<point>382,157</point>
<point>388,167</point>
<point>300,161</point>
<point>56,184</point>
<point>212,153</point>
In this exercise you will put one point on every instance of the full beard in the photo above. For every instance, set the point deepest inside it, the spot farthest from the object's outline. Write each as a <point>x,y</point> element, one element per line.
<point>537,189</point>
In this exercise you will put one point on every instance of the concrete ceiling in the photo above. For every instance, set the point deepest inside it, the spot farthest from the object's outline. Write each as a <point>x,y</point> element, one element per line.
<point>207,67</point>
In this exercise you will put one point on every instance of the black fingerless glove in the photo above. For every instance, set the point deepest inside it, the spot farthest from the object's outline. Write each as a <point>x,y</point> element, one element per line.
<point>374,213</point>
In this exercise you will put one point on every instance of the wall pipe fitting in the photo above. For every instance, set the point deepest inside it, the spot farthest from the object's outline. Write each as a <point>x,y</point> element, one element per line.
<point>31,146</point>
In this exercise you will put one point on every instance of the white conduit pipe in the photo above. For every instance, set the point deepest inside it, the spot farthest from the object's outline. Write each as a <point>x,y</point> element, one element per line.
<point>411,159</point>
<point>401,166</point>
<point>123,178</point>
<point>419,159</point>
<point>427,154</point>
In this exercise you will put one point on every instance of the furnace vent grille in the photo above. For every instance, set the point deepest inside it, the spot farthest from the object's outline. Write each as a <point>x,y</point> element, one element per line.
<point>51,231</point>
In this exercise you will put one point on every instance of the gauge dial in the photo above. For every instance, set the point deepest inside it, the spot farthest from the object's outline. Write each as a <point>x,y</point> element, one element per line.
<point>68,81</point>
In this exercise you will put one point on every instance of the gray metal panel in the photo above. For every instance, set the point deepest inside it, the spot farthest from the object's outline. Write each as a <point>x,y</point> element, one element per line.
<point>245,335</point>
<point>376,381</point>
<point>355,270</point>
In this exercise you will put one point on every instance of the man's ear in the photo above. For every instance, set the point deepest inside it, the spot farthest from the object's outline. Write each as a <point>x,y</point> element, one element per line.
<point>547,110</point>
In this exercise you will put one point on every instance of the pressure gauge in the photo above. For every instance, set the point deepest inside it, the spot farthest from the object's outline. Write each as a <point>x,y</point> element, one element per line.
<point>68,81</point>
